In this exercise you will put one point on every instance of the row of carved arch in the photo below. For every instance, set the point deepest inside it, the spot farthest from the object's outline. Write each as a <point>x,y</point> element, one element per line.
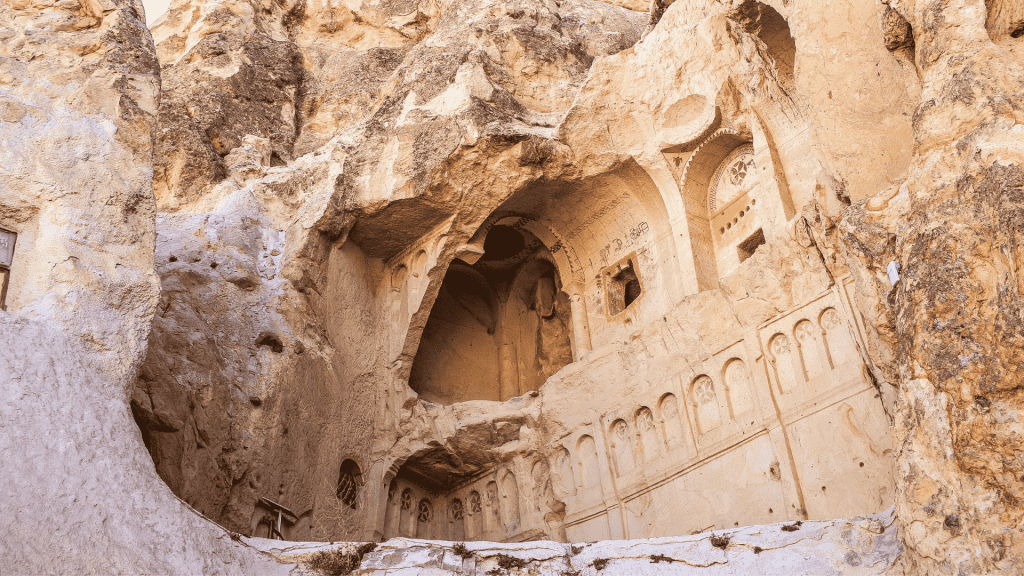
<point>650,435</point>
<point>413,512</point>
<point>811,348</point>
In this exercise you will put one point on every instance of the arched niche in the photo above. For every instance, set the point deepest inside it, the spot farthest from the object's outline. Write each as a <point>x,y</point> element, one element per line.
<point>725,205</point>
<point>457,358</point>
<point>591,225</point>
<point>499,327</point>
<point>350,484</point>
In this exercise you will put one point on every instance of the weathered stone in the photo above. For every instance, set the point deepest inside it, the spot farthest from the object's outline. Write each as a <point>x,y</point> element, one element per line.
<point>493,272</point>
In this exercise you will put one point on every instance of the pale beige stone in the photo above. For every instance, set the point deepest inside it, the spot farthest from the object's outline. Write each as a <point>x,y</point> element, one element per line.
<point>519,270</point>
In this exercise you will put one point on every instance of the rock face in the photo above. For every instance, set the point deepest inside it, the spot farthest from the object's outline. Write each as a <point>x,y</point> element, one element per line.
<point>79,87</point>
<point>953,320</point>
<point>513,270</point>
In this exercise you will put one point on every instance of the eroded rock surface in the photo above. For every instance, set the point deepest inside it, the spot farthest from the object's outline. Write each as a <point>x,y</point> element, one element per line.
<point>78,91</point>
<point>510,271</point>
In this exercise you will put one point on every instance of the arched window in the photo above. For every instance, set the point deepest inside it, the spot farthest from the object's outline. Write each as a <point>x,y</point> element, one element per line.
<point>425,512</point>
<point>350,481</point>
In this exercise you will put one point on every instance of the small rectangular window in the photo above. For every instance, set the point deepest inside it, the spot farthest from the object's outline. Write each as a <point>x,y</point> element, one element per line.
<point>622,285</point>
<point>7,239</point>
<point>747,247</point>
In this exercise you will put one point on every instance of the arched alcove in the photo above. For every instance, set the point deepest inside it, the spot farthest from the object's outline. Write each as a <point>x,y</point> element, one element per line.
<point>614,219</point>
<point>726,205</point>
<point>499,327</point>
<point>350,484</point>
<point>777,45</point>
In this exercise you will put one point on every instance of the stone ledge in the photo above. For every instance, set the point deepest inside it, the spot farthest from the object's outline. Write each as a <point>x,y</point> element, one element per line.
<point>858,546</point>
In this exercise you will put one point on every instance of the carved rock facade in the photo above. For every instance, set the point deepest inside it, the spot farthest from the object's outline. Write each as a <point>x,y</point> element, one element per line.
<point>535,270</point>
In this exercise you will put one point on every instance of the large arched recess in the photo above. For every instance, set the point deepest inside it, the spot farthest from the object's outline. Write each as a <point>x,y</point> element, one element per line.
<point>499,326</point>
<point>578,235</point>
<point>591,225</point>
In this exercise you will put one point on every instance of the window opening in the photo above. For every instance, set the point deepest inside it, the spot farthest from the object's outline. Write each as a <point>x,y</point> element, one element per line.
<point>349,482</point>
<point>457,510</point>
<point>622,285</point>
<point>7,239</point>
<point>426,513</point>
<point>747,247</point>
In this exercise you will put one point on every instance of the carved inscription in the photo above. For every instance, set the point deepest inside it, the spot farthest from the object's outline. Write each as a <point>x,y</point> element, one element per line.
<point>616,245</point>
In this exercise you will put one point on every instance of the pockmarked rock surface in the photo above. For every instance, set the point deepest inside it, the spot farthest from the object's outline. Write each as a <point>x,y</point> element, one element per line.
<point>583,287</point>
<point>79,87</point>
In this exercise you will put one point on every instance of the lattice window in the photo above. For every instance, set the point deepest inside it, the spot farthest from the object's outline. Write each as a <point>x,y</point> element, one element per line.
<point>457,509</point>
<point>407,499</point>
<point>349,483</point>
<point>425,511</point>
<point>474,503</point>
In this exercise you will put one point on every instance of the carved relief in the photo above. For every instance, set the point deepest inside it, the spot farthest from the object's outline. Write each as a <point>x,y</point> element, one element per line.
<point>788,372</point>
<point>622,448</point>
<point>671,423</point>
<point>475,523</point>
<point>424,517</point>
<point>509,504</point>
<point>407,522</point>
<point>492,522</point>
<point>392,511</point>
<point>812,352</point>
<point>564,481</point>
<point>590,470</point>
<point>737,382</point>
<point>456,520</point>
<point>838,340</point>
<point>705,402</point>
<point>648,434</point>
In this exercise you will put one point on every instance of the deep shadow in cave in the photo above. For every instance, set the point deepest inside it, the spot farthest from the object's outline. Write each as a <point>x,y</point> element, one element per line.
<point>498,328</point>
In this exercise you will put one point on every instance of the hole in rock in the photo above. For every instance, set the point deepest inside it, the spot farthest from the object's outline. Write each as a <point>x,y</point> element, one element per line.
<point>747,248</point>
<point>503,242</point>
<point>498,328</point>
<point>622,286</point>
<point>270,341</point>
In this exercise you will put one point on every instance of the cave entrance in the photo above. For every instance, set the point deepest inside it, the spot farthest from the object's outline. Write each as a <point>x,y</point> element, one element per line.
<point>498,328</point>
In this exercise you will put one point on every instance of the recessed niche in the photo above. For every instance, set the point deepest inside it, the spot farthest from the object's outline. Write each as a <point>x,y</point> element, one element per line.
<point>746,248</point>
<point>7,240</point>
<point>350,481</point>
<point>622,285</point>
<point>498,328</point>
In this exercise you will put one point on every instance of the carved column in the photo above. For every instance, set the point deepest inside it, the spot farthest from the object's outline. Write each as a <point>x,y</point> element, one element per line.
<point>580,326</point>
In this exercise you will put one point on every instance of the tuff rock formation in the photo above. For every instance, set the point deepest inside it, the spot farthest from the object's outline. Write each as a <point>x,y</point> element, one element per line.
<point>699,279</point>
